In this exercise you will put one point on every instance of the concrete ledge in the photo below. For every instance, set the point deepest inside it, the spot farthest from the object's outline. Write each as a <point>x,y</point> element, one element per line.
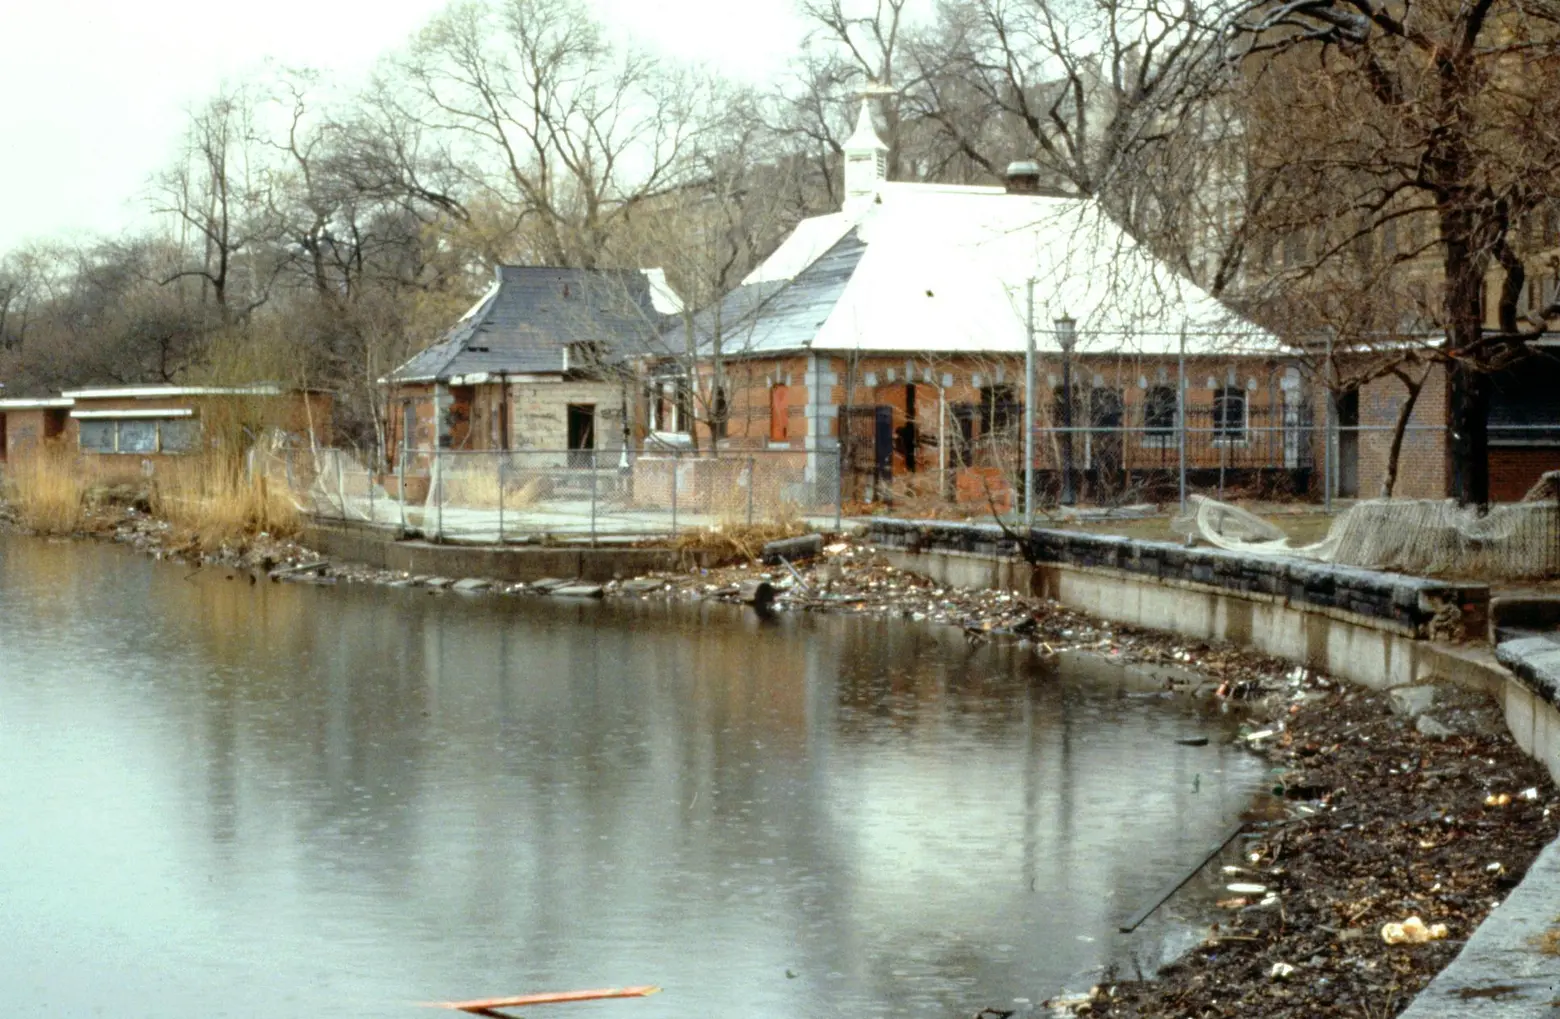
<point>377,547</point>
<point>1536,661</point>
<point>1417,606</point>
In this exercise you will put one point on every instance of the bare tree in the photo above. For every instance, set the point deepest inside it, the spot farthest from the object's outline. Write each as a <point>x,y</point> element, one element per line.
<point>213,198</point>
<point>1420,114</point>
<point>550,122</point>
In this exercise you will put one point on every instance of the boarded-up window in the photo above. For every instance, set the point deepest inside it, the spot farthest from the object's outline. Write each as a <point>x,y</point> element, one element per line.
<point>179,436</point>
<point>137,436</point>
<point>779,412</point>
<point>98,436</point>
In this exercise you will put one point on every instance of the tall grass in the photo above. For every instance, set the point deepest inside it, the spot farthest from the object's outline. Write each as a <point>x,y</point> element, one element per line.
<point>477,487</point>
<point>46,487</point>
<point>213,497</point>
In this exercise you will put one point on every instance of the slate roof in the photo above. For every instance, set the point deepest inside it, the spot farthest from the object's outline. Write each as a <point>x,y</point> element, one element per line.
<point>784,314</point>
<point>533,312</point>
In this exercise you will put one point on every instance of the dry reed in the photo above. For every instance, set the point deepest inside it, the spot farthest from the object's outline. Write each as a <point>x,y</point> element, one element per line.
<point>214,498</point>
<point>46,487</point>
<point>733,538</point>
<point>479,489</point>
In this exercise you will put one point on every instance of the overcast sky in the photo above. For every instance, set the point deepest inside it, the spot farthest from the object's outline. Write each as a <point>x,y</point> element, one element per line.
<point>93,93</point>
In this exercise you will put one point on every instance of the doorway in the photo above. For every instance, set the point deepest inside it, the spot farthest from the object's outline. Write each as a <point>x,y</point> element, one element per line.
<point>1349,444</point>
<point>582,434</point>
<point>883,442</point>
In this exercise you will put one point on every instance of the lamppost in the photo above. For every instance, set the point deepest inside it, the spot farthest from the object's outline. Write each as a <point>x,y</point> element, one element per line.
<point>1067,338</point>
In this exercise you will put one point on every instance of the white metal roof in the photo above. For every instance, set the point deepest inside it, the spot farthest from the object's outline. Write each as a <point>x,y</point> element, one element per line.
<point>168,392</point>
<point>945,269</point>
<point>19,403</point>
<point>170,412</point>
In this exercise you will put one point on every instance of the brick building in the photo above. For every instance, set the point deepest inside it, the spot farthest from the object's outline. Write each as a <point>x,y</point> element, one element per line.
<point>893,334</point>
<point>1524,432</point>
<point>545,361</point>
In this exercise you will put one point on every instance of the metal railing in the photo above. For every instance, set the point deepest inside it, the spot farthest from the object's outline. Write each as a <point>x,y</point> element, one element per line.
<point>1258,451</point>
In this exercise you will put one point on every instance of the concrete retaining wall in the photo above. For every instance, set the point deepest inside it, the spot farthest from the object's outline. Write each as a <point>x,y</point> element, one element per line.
<point>1379,630</point>
<point>374,546</point>
<point>1375,629</point>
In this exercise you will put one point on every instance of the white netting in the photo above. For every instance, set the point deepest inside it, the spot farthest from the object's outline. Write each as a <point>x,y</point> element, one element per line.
<point>329,483</point>
<point>1516,540</point>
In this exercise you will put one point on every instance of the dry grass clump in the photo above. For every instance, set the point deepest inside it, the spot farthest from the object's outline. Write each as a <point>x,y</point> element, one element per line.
<point>47,487</point>
<point>738,543</point>
<point>732,538</point>
<point>213,497</point>
<point>479,489</point>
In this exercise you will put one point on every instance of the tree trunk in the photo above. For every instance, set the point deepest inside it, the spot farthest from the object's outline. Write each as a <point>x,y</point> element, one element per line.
<point>1468,396</point>
<point>1469,423</point>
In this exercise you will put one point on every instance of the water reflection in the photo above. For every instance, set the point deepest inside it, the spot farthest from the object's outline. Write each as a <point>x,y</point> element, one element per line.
<point>219,798</point>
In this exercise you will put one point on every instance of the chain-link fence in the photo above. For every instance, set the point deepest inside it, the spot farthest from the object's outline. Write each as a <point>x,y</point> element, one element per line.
<point>518,496</point>
<point>972,456</point>
<point>977,454</point>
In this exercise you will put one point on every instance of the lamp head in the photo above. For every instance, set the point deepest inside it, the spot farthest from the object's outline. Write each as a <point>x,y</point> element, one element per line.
<point>1066,332</point>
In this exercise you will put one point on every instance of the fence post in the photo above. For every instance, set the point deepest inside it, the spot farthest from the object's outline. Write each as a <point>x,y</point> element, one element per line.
<point>341,483</point>
<point>1328,417</point>
<point>438,493</point>
<point>373,517</point>
<point>674,491</point>
<point>1180,420</point>
<point>592,455</point>
<point>503,461</point>
<point>400,486</point>
<point>752,480</point>
<point>839,488</point>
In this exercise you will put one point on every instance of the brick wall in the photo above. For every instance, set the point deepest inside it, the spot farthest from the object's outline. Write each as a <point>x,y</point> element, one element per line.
<point>1515,469</point>
<point>1422,462</point>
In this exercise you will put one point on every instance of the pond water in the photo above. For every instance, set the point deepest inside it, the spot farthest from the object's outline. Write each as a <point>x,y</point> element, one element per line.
<point>220,798</point>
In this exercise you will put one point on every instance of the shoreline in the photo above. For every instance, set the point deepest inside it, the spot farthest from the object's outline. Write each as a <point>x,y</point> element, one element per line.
<point>1387,813</point>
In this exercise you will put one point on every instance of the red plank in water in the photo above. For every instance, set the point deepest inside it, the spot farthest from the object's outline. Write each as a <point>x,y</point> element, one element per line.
<point>488,1004</point>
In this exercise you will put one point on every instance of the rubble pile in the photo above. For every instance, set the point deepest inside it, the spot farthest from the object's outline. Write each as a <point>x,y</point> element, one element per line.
<point>854,579</point>
<point>1399,844</point>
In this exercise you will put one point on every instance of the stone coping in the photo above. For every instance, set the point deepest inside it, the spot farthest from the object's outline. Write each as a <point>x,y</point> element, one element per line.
<point>1426,608</point>
<point>1535,660</point>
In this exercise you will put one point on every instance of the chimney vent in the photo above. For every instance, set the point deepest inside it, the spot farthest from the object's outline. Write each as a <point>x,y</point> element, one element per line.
<point>1023,177</point>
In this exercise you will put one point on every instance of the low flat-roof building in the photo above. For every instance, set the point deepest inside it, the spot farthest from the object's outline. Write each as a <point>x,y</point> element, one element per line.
<point>25,423</point>
<point>159,420</point>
